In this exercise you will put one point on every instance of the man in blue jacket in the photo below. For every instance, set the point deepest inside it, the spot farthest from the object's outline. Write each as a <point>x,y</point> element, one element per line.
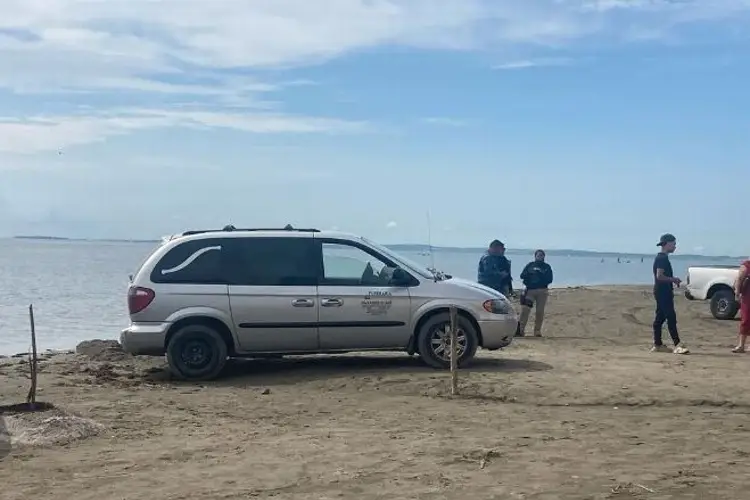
<point>537,277</point>
<point>494,269</point>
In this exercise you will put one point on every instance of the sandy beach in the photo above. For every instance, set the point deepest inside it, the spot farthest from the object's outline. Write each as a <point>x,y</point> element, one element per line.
<point>584,413</point>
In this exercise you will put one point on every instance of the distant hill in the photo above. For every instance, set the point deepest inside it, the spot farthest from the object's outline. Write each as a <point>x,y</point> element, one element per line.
<point>93,240</point>
<point>554,252</point>
<point>40,238</point>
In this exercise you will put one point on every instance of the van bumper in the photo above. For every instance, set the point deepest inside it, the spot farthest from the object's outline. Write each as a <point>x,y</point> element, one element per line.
<point>144,339</point>
<point>498,333</point>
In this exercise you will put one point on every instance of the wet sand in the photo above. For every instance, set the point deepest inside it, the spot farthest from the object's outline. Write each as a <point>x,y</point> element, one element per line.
<point>584,413</point>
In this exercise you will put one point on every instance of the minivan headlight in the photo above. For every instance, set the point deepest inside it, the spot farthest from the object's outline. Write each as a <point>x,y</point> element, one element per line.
<point>497,306</point>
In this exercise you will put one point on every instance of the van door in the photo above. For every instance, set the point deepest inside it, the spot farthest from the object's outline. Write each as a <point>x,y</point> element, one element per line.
<point>359,309</point>
<point>273,293</point>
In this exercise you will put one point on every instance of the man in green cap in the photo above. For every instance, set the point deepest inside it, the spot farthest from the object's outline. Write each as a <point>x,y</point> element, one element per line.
<point>664,282</point>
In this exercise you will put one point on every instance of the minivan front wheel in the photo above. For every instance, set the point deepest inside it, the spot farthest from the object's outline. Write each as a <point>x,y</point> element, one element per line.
<point>434,342</point>
<point>196,352</point>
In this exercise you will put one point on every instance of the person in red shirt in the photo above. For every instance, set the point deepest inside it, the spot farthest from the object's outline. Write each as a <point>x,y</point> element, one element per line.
<point>742,292</point>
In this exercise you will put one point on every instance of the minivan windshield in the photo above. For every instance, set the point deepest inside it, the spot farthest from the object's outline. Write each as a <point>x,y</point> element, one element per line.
<point>407,263</point>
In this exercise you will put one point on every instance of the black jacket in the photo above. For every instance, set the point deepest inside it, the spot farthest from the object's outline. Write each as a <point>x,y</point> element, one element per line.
<point>494,271</point>
<point>536,275</point>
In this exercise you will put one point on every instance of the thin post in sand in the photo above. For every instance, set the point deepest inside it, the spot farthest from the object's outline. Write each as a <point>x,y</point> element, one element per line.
<point>454,350</point>
<point>31,398</point>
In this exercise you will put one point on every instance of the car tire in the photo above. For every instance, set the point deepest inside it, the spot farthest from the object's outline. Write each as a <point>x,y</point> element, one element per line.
<point>723,305</point>
<point>196,352</point>
<point>432,345</point>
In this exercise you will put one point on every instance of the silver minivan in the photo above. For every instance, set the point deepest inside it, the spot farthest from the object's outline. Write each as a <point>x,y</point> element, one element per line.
<point>205,296</point>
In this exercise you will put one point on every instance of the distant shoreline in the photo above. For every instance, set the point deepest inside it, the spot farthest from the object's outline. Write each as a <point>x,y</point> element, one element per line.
<point>411,247</point>
<point>564,252</point>
<point>90,240</point>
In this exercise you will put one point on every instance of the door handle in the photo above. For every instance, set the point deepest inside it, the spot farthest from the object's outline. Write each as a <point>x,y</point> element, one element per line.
<point>303,303</point>
<point>331,302</point>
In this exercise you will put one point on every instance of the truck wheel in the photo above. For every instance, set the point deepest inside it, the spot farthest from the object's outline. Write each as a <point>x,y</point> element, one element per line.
<point>723,305</point>
<point>196,352</point>
<point>433,343</point>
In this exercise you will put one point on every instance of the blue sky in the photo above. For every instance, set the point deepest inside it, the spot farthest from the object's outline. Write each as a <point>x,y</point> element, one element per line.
<point>545,123</point>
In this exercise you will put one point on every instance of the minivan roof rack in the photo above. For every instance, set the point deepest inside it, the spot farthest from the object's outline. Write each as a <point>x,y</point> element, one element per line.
<point>230,227</point>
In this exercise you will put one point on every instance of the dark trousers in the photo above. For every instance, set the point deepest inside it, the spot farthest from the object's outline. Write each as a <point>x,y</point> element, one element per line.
<point>665,312</point>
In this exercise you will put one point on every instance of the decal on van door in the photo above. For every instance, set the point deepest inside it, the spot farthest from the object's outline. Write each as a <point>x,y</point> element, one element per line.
<point>377,302</point>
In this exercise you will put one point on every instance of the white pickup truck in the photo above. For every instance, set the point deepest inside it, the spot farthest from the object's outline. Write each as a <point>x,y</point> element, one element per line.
<point>714,283</point>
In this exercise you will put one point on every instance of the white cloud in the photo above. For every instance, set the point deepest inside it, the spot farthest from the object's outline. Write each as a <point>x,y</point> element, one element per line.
<point>534,63</point>
<point>215,53</point>
<point>391,225</point>
<point>444,121</point>
<point>75,39</point>
<point>119,39</point>
<point>605,5</point>
<point>53,133</point>
<point>704,8</point>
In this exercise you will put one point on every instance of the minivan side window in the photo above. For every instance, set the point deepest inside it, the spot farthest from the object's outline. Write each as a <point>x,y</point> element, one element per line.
<point>349,265</point>
<point>273,261</point>
<point>192,262</point>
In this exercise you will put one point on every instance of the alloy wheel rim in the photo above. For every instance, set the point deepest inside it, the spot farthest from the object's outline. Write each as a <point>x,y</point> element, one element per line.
<point>440,342</point>
<point>723,305</point>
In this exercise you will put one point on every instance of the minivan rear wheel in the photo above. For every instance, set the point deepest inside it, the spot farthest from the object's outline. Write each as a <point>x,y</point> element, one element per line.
<point>196,352</point>
<point>434,344</point>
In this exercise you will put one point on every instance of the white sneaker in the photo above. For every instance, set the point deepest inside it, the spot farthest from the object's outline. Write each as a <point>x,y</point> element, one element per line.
<point>681,349</point>
<point>661,348</point>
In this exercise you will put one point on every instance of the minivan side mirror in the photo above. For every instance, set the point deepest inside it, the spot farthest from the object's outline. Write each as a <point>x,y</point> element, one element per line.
<point>400,278</point>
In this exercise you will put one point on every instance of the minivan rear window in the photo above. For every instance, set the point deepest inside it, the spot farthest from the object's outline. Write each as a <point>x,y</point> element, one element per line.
<point>192,262</point>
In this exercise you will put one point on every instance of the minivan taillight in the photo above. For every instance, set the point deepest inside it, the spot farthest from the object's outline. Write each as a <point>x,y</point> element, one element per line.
<point>139,298</point>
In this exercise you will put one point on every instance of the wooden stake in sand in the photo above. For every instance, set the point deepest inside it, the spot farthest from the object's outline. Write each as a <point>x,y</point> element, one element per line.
<point>454,350</point>
<point>31,398</point>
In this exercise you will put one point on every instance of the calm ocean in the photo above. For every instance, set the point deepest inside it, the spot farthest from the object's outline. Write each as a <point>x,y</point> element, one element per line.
<point>78,288</point>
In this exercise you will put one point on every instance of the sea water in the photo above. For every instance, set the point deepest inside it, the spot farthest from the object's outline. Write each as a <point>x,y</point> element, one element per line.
<point>78,288</point>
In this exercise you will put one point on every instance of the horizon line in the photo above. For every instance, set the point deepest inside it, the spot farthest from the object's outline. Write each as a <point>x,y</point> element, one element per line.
<point>425,246</point>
